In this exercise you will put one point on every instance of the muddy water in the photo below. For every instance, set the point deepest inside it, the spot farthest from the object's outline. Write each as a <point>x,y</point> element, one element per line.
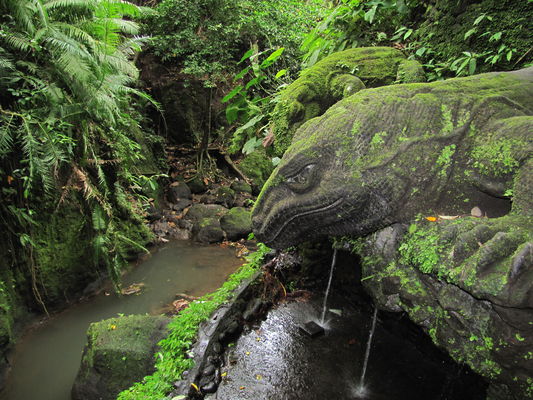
<point>46,360</point>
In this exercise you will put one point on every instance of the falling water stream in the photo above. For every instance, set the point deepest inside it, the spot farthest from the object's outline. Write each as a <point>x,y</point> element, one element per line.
<point>361,389</point>
<point>325,304</point>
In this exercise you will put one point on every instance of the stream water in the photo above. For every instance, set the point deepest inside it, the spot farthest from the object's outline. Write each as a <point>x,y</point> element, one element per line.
<point>46,359</point>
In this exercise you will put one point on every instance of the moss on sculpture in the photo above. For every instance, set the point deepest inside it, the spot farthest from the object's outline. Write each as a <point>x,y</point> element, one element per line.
<point>336,76</point>
<point>401,153</point>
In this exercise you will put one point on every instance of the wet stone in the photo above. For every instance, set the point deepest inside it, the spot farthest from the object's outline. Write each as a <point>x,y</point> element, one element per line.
<point>217,348</point>
<point>211,387</point>
<point>312,329</point>
<point>209,370</point>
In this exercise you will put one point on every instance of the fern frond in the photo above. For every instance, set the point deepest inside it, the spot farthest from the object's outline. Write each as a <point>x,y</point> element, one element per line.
<point>18,42</point>
<point>6,139</point>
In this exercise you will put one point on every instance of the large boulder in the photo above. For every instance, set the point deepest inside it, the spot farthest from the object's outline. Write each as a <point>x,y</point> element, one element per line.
<point>120,351</point>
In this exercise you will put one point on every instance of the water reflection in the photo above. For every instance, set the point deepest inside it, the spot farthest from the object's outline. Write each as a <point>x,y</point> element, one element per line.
<point>46,360</point>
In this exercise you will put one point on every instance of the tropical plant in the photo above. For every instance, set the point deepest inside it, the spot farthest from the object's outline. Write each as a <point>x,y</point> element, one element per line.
<point>252,99</point>
<point>66,130</point>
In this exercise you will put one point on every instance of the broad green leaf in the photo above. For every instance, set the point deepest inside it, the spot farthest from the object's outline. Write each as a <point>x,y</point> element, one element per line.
<point>469,33</point>
<point>251,145</point>
<point>369,15</point>
<point>250,123</point>
<point>241,73</point>
<point>497,36</point>
<point>472,66</point>
<point>232,94</point>
<point>273,57</point>
<point>246,55</point>
<point>254,81</point>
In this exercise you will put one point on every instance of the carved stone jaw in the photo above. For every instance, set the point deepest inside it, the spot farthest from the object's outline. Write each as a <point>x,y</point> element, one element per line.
<point>319,199</point>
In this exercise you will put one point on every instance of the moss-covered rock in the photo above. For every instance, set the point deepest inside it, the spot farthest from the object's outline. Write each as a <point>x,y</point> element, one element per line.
<point>200,211</point>
<point>257,166</point>
<point>119,352</point>
<point>478,309</point>
<point>336,76</point>
<point>241,187</point>
<point>224,196</point>
<point>208,230</point>
<point>436,150</point>
<point>237,223</point>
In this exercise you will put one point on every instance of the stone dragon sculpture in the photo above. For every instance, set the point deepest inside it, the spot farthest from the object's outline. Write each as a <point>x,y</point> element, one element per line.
<point>393,155</point>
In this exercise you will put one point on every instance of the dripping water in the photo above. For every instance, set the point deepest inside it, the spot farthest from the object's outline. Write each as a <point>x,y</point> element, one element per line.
<point>361,390</point>
<point>324,305</point>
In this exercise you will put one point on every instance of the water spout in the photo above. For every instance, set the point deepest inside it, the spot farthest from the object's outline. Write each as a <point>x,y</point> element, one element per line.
<point>324,304</point>
<point>361,390</point>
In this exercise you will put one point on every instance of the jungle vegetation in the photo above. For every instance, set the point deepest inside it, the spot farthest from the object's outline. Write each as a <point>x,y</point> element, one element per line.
<point>74,126</point>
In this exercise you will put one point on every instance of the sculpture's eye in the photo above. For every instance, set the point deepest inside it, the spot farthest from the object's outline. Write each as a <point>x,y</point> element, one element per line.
<point>302,180</point>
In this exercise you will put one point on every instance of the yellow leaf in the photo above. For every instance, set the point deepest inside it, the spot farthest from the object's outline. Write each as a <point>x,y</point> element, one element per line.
<point>258,339</point>
<point>195,386</point>
<point>247,353</point>
<point>224,374</point>
<point>432,219</point>
<point>258,377</point>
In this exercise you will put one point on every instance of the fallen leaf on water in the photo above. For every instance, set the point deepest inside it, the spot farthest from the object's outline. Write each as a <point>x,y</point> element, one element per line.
<point>242,387</point>
<point>258,377</point>
<point>432,219</point>
<point>247,353</point>
<point>224,374</point>
<point>258,339</point>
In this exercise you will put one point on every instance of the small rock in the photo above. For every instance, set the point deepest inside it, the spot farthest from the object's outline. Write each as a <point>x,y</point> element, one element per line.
<point>208,230</point>
<point>197,185</point>
<point>209,370</point>
<point>476,212</point>
<point>211,387</point>
<point>181,205</point>
<point>224,196</point>
<point>177,191</point>
<point>241,187</point>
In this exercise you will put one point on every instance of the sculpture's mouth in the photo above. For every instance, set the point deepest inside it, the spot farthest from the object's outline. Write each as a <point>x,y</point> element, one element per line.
<point>270,239</point>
